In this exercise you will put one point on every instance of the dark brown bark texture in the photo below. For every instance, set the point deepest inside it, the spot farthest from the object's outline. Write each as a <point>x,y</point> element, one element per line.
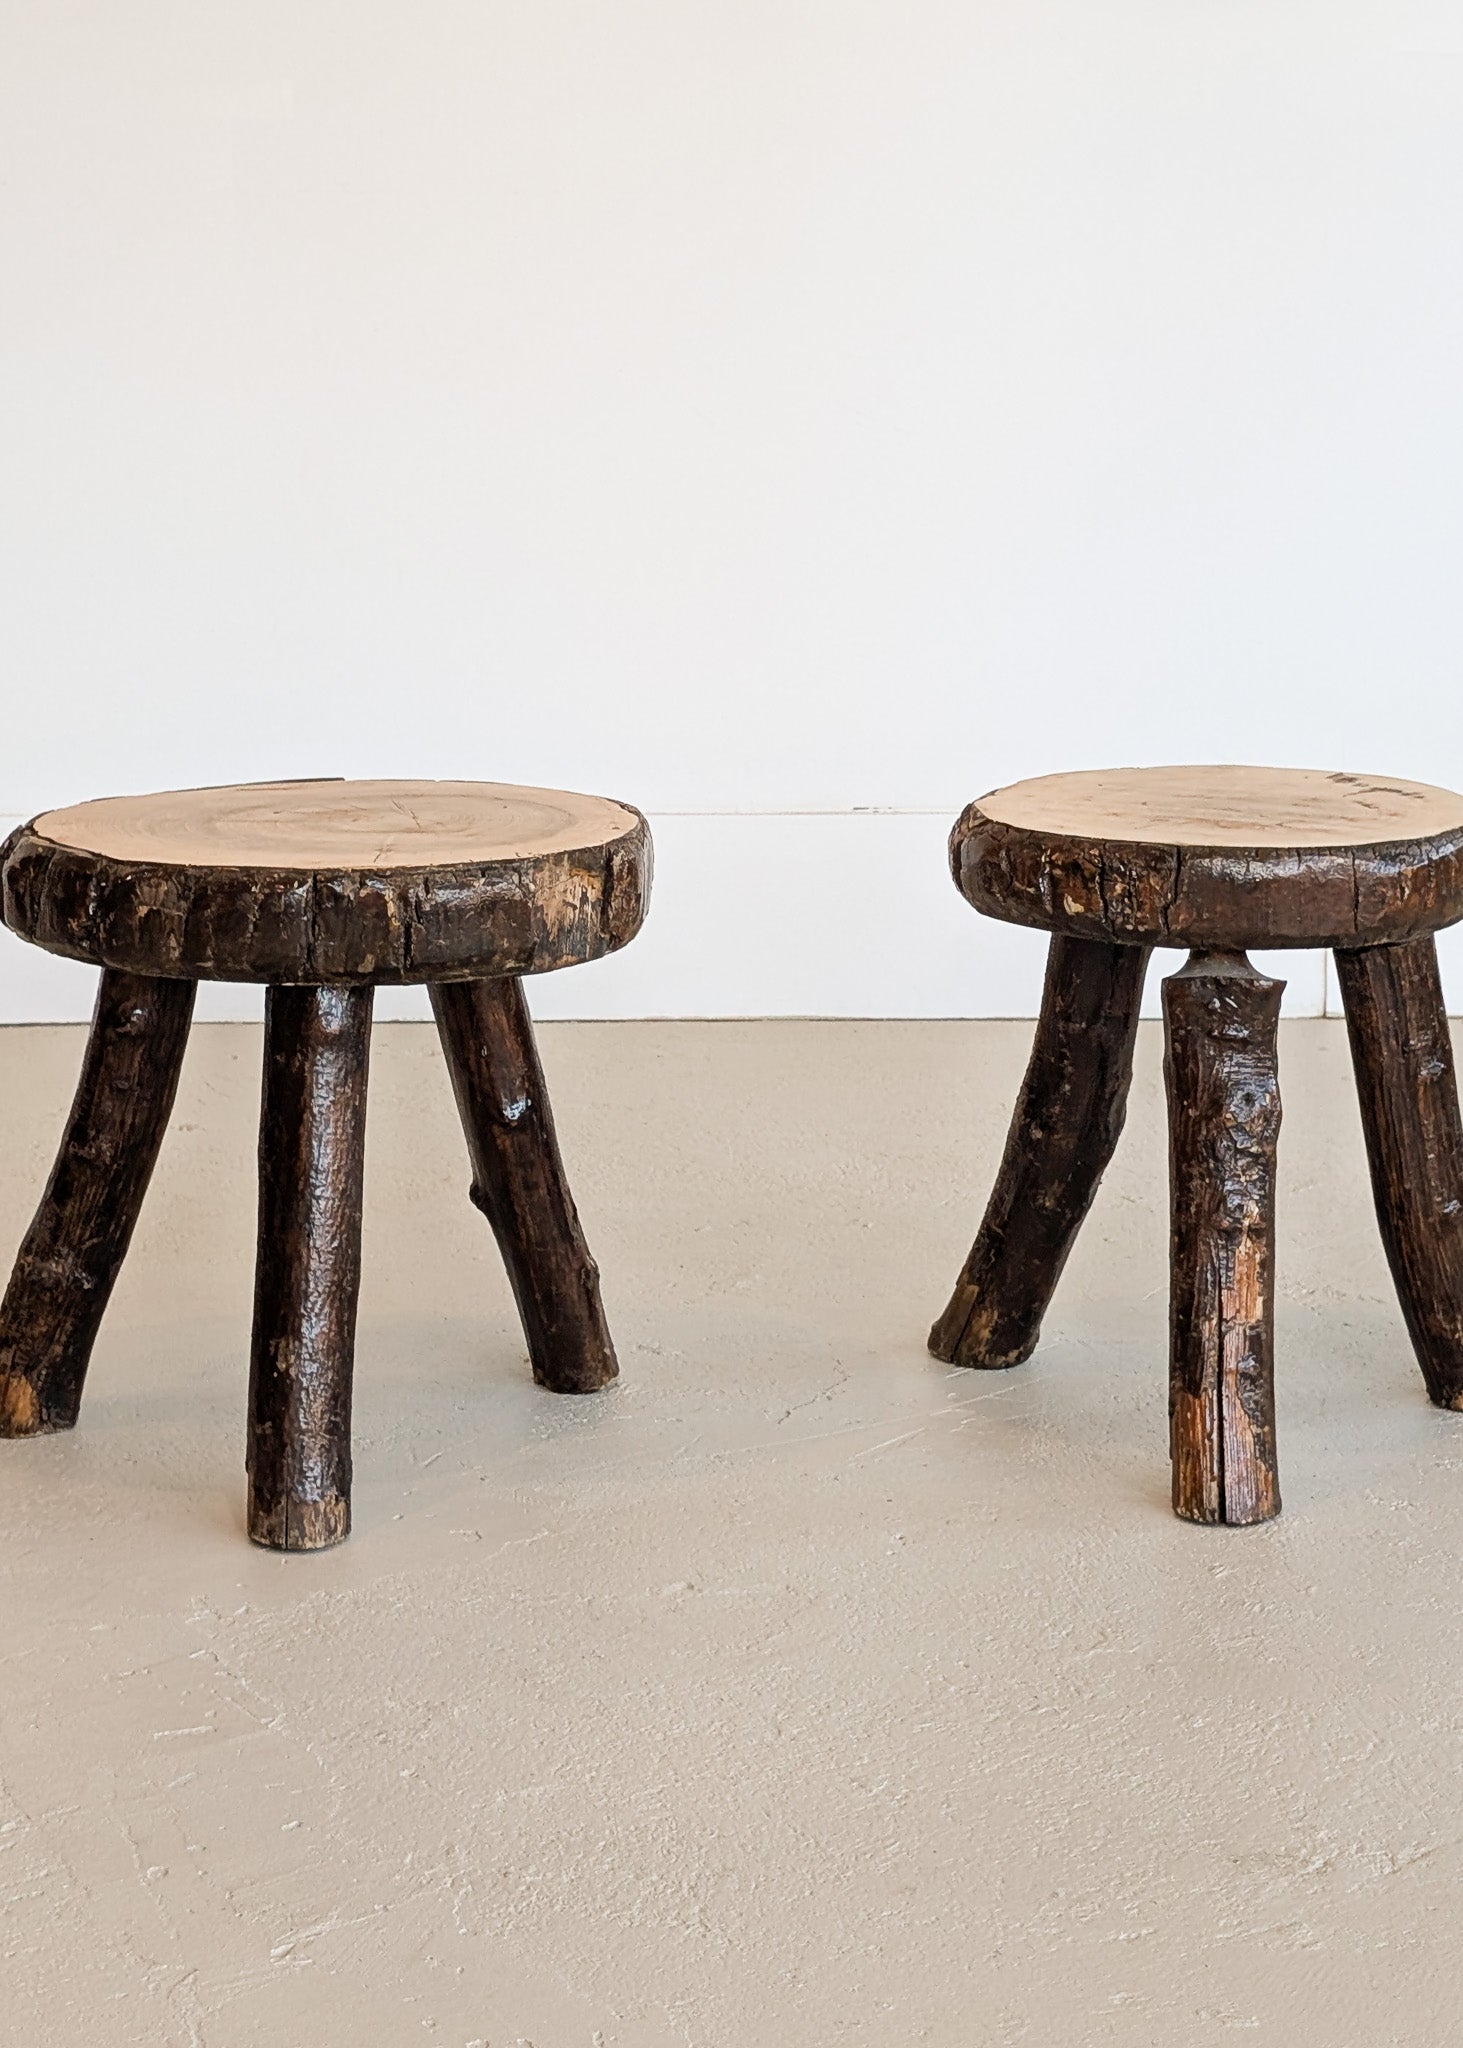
<point>1403,1057</point>
<point>1063,1133</point>
<point>508,916</point>
<point>519,1182</point>
<point>311,1152</point>
<point>1220,1019</point>
<point>1224,897</point>
<point>73,1251</point>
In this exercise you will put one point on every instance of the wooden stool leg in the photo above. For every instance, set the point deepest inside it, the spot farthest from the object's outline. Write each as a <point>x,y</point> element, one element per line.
<point>1220,1019</point>
<point>1403,1058</point>
<point>1065,1128</point>
<point>518,1180</point>
<point>74,1249</point>
<point>311,1151</point>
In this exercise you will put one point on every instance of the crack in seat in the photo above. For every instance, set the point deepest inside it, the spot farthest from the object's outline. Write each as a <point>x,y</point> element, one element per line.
<point>320,890</point>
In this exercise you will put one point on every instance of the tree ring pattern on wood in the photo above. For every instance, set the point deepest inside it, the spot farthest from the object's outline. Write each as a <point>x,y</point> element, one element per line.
<point>1344,860</point>
<point>514,908</point>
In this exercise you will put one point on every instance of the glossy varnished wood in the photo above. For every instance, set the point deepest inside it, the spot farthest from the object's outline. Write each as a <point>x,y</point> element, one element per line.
<point>1220,1018</point>
<point>73,1251</point>
<point>1066,1125</point>
<point>519,1184</point>
<point>1403,1057</point>
<point>311,1150</point>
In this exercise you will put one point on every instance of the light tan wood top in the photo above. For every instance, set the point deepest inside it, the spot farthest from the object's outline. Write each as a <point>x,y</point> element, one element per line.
<point>353,826</point>
<point>1226,806</point>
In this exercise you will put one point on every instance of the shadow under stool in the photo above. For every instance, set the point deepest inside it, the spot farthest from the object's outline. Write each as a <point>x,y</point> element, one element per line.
<point>1218,859</point>
<point>322,891</point>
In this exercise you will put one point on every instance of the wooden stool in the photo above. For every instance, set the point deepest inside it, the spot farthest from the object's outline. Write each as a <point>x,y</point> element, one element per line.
<point>321,890</point>
<point>1116,862</point>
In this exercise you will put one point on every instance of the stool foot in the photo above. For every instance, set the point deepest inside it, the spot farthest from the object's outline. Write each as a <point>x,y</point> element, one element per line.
<point>1403,1057</point>
<point>518,1180</point>
<point>1220,1017</point>
<point>1066,1125</point>
<point>74,1249</point>
<point>311,1152</point>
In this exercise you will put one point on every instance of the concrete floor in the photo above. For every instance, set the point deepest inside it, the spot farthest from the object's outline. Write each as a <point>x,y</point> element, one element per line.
<point>798,1691</point>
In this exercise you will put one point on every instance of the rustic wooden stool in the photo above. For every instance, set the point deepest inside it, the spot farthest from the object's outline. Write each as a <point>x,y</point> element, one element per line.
<point>321,890</point>
<point>1116,862</point>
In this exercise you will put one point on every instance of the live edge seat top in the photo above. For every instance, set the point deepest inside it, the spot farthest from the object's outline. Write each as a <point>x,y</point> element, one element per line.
<point>379,881</point>
<point>1217,857</point>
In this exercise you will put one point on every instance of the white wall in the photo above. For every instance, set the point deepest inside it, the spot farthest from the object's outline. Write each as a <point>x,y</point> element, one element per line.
<point>794,415</point>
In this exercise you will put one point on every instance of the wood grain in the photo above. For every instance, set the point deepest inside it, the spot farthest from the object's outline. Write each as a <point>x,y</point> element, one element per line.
<point>73,1251</point>
<point>1066,1125</point>
<point>519,1184</point>
<point>1220,1018</point>
<point>338,824</point>
<point>1228,805</point>
<point>311,1151</point>
<point>1403,1058</point>
<point>369,902</point>
<point>1199,860</point>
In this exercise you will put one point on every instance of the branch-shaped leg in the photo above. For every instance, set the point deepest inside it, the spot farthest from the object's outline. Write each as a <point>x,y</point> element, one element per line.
<point>312,1132</point>
<point>1067,1121</point>
<point>1403,1058</point>
<point>1220,1019</point>
<point>74,1249</point>
<point>518,1180</point>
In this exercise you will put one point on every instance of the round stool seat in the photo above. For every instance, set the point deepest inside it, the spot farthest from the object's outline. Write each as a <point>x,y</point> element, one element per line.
<point>1222,857</point>
<point>330,881</point>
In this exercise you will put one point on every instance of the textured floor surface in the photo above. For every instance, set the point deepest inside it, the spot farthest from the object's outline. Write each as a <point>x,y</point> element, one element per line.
<point>798,1691</point>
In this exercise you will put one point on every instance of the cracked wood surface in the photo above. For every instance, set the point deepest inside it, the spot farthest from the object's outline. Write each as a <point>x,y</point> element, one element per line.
<point>1220,1018</point>
<point>1222,857</point>
<point>387,882</point>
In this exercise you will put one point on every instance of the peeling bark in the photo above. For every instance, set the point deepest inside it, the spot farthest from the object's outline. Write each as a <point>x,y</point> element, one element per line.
<point>1220,1018</point>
